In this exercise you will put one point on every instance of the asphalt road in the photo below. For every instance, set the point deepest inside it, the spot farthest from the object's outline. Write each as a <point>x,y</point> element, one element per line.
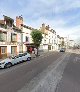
<point>13,79</point>
<point>70,81</point>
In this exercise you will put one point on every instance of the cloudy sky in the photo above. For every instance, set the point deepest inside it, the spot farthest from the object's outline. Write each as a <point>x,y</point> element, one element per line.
<point>62,15</point>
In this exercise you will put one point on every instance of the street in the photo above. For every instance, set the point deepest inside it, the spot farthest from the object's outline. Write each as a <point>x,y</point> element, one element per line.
<point>70,81</point>
<point>39,46</point>
<point>13,79</point>
<point>66,78</point>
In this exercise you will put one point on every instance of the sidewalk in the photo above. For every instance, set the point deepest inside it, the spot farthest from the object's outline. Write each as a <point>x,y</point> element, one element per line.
<point>77,51</point>
<point>42,53</point>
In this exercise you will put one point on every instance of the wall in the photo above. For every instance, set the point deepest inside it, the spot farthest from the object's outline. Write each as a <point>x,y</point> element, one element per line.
<point>8,50</point>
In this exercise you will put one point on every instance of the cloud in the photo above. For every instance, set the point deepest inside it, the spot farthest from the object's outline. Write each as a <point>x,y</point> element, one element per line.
<point>61,15</point>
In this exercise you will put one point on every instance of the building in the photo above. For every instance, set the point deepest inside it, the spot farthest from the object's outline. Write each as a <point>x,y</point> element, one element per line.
<point>27,39</point>
<point>16,38</point>
<point>49,41</point>
<point>58,42</point>
<point>71,43</point>
<point>10,37</point>
<point>44,44</point>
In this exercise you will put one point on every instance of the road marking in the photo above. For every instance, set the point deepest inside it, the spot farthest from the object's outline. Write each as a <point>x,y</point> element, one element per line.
<point>39,83</point>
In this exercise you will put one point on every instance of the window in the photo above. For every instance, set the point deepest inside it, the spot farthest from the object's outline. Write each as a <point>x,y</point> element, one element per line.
<point>49,40</point>
<point>49,47</point>
<point>44,41</point>
<point>3,50</point>
<point>13,37</point>
<point>54,42</point>
<point>17,56</point>
<point>3,36</point>
<point>25,54</point>
<point>20,55</point>
<point>13,49</point>
<point>26,38</point>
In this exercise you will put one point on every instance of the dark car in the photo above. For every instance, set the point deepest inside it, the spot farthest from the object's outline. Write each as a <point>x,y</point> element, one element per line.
<point>62,50</point>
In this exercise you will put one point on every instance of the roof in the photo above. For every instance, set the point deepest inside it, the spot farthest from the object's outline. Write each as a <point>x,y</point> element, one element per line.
<point>8,18</point>
<point>28,27</point>
<point>16,28</point>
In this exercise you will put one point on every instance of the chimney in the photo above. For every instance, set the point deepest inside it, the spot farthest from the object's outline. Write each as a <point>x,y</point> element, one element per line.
<point>43,25</point>
<point>47,27</point>
<point>43,28</point>
<point>19,21</point>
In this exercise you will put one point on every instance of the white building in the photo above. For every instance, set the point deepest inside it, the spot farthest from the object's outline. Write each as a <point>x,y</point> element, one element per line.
<point>49,41</point>
<point>58,42</point>
<point>27,39</point>
<point>71,43</point>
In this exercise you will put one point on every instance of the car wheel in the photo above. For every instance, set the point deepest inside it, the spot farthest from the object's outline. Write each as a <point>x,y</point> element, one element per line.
<point>8,65</point>
<point>29,58</point>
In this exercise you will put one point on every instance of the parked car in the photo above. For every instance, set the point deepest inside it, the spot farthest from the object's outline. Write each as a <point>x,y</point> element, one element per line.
<point>62,50</point>
<point>8,62</point>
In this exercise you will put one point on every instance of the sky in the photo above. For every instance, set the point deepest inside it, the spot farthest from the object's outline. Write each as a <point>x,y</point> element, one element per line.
<point>62,15</point>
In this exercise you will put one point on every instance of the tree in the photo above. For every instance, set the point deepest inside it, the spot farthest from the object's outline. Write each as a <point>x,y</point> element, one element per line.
<point>37,38</point>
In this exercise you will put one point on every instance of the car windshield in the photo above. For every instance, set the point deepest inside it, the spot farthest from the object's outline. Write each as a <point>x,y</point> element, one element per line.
<point>25,53</point>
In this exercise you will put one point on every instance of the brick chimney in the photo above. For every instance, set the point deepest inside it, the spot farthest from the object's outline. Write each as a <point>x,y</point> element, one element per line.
<point>19,21</point>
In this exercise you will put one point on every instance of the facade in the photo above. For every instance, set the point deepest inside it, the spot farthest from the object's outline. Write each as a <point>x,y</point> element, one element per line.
<point>27,39</point>
<point>16,38</point>
<point>50,40</point>
<point>71,43</point>
<point>44,44</point>
<point>58,42</point>
<point>10,37</point>
<point>65,42</point>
